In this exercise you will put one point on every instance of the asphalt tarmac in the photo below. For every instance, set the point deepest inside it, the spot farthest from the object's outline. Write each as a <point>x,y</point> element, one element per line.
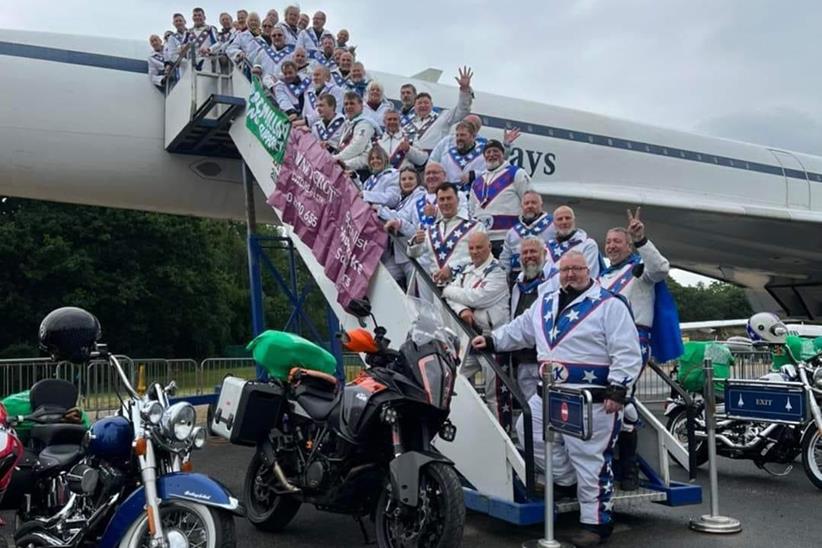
<point>782,512</point>
<point>774,512</point>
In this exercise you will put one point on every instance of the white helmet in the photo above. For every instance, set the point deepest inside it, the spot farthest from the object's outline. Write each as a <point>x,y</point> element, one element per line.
<point>766,327</point>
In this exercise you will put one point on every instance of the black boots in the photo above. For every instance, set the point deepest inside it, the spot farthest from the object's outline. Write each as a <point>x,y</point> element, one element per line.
<point>627,461</point>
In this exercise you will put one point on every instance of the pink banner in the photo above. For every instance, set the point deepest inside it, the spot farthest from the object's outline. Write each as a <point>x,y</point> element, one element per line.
<point>316,197</point>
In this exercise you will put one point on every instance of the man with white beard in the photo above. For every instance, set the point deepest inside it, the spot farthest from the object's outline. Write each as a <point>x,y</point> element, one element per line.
<point>533,222</point>
<point>523,294</point>
<point>570,237</point>
<point>496,195</point>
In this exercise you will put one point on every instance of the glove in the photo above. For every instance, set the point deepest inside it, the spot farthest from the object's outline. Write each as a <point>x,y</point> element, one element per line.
<point>617,393</point>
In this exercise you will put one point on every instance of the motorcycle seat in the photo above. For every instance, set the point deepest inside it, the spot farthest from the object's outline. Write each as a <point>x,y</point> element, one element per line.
<point>317,404</point>
<point>56,458</point>
<point>58,433</point>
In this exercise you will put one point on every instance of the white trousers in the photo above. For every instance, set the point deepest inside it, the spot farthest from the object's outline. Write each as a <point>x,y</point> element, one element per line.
<point>586,463</point>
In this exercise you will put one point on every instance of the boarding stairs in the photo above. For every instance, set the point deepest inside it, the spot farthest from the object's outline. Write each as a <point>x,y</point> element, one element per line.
<point>205,116</point>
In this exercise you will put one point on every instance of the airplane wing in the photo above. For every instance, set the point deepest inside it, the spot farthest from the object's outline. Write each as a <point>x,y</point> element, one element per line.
<point>778,250</point>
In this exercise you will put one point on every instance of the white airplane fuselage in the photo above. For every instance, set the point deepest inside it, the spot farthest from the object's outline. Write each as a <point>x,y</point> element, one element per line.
<point>81,123</point>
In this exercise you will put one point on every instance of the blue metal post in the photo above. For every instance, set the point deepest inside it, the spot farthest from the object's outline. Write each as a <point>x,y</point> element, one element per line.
<point>253,249</point>
<point>333,342</point>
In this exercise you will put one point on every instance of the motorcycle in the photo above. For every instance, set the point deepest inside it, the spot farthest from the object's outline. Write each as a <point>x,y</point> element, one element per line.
<point>36,482</point>
<point>365,448</point>
<point>129,483</point>
<point>763,443</point>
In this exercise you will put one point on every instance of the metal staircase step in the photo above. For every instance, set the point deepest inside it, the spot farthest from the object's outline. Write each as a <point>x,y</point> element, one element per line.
<point>621,499</point>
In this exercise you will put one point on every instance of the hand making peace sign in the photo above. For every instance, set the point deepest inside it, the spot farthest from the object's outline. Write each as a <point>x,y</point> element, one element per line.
<point>635,227</point>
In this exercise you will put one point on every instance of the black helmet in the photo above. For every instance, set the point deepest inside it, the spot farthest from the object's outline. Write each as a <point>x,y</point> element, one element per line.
<point>69,334</point>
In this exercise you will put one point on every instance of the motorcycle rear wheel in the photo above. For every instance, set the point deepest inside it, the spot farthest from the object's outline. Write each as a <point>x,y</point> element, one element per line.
<point>677,427</point>
<point>441,496</point>
<point>266,510</point>
<point>812,456</point>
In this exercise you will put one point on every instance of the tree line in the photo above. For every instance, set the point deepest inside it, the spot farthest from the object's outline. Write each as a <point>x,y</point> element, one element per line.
<point>171,286</point>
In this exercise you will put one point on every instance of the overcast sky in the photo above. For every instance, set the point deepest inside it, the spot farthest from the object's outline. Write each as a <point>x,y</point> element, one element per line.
<point>742,69</point>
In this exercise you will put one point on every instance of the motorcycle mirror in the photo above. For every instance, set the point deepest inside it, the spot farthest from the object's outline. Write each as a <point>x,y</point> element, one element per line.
<point>360,308</point>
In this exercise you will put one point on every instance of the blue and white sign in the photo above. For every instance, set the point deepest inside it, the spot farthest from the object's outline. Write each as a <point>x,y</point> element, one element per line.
<point>765,401</point>
<point>569,412</point>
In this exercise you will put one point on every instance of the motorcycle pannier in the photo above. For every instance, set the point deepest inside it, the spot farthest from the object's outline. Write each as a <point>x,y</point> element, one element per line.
<point>247,410</point>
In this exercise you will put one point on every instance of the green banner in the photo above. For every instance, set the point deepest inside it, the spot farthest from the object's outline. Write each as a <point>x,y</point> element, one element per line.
<point>267,122</point>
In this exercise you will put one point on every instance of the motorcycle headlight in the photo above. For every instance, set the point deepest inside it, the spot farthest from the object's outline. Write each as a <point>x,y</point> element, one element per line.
<point>178,421</point>
<point>198,437</point>
<point>152,412</point>
<point>817,378</point>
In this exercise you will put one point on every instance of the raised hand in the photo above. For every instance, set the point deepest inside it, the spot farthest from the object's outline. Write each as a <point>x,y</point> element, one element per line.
<point>430,210</point>
<point>464,78</point>
<point>635,227</point>
<point>393,225</point>
<point>510,135</point>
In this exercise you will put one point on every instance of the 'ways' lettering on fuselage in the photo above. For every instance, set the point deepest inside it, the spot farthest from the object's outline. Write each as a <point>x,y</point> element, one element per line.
<point>534,162</point>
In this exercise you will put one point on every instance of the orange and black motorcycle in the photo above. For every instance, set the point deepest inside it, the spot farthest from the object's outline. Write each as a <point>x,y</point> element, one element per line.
<point>365,448</point>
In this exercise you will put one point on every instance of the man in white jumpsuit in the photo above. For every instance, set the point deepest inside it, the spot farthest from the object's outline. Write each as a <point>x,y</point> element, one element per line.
<point>479,295</point>
<point>636,267</point>
<point>495,197</point>
<point>586,336</point>
<point>442,248</point>
<point>427,127</point>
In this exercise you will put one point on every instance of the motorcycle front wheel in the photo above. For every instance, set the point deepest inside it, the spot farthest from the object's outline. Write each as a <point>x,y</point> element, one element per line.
<point>199,526</point>
<point>678,427</point>
<point>436,522</point>
<point>812,456</point>
<point>265,509</point>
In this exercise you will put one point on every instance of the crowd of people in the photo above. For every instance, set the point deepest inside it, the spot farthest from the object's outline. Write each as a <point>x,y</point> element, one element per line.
<point>533,285</point>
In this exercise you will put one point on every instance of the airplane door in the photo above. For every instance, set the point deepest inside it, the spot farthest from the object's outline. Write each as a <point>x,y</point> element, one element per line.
<point>797,186</point>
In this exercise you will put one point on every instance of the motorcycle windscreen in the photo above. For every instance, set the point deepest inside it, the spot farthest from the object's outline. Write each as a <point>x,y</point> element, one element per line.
<point>437,378</point>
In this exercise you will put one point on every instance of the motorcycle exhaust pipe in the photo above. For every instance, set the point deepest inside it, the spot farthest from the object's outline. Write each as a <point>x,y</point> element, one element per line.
<point>724,440</point>
<point>284,483</point>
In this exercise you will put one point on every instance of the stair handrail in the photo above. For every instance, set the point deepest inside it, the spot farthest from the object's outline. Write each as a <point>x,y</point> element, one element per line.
<point>690,414</point>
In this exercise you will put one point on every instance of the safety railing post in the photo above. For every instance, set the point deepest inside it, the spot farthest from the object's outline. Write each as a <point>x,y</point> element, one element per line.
<point>548,435</point>
<point>713,522</point>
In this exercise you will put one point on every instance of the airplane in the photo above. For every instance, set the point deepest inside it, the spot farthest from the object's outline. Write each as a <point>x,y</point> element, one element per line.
<point>81,123</point>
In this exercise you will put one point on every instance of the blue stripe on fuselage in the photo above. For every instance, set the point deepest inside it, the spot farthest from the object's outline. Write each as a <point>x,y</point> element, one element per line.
<point>112,62</point>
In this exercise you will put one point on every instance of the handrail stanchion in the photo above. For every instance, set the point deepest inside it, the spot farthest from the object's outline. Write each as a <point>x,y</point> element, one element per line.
<point>690,414</point>
<point>548,435</point>
<point>713,522</point>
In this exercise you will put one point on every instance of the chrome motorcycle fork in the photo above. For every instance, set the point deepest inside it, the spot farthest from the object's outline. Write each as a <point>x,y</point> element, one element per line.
<point>396,439</point>
<point>148,472</point>
<point>811,397</point>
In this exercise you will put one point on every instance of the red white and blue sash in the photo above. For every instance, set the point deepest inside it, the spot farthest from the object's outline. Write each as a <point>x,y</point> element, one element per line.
<point>463,160</point>
<point>425,220</point>
<point>406,118</point>
<point>339,79</point>
<point>374,180</point>
<point>534,229</point>
<point>312,33</point>
<point>276,55</point>
<point>557,250</point>
<point>225,35</point>
<point>625,277</point>
<point>444,245</point>
<point>158,57</point>
<point>397,157</point>
<point>327,133</point>
<point>320,57</point>
<point>486,193</point>
<point>297,89</point>
<point>555,331</point>
<point>413,132</point>
<point>200,39</point>
<point>293,31</point>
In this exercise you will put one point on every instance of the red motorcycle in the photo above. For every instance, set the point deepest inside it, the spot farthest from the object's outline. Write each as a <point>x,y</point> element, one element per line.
<point>11,451</point>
